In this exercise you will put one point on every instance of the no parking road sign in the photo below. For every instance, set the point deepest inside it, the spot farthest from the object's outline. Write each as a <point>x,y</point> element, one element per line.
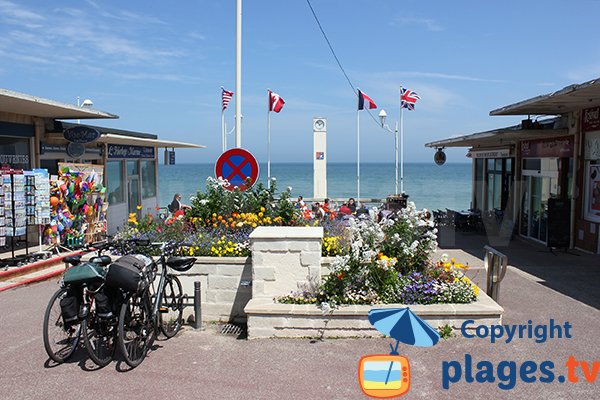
<point>237,165</point>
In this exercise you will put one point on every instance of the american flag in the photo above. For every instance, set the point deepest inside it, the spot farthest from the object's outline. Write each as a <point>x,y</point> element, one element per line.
<point>226,96</point>
<point>408,98</point>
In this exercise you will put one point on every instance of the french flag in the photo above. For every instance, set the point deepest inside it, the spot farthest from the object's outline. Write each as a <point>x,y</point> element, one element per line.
<point>365,102</point>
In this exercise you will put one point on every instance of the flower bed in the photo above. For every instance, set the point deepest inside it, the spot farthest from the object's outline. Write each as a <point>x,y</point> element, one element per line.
<point>219,221</point>
<point>390,262</point>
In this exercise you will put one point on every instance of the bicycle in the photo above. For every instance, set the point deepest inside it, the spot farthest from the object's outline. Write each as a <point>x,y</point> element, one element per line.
<point>65,311</point>
<point>82,307</point>
<point>144,313</point>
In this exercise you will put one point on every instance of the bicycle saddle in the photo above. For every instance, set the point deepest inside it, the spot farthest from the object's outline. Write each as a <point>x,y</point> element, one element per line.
<point>181,264</point>
<point>102,260</point>
<point>73,260</point>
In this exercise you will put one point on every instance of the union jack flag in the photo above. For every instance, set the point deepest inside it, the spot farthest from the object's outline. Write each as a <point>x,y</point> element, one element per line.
<point>226,96</point>
<point>408,98</point>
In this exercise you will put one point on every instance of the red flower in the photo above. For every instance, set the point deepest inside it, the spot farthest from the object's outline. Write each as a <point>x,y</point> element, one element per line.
<point>340,276</point>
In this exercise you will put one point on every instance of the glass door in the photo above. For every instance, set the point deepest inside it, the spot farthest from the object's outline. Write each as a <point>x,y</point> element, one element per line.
<point>525,205</point>
<point>535,208</point>
<point>134,199</point>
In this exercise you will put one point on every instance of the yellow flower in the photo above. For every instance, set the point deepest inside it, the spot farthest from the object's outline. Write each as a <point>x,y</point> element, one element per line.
<point>139,207</point>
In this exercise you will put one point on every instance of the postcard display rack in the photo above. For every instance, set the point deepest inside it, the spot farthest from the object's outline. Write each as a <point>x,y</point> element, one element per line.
<point>15,215</point>
<point>24,201</point>
<point>2,212</point>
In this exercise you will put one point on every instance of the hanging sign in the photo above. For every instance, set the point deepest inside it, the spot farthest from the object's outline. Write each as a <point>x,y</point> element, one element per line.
<point>439,157</point>
<point>81,134</point>
<point>75,150</point>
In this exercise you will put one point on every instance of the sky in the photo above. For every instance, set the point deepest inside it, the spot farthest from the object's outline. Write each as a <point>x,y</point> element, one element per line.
<point>160,65</point>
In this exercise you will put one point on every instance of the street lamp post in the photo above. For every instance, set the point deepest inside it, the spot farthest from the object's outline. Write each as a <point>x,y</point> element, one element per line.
<point>86,103</point>
<point>382,117</point>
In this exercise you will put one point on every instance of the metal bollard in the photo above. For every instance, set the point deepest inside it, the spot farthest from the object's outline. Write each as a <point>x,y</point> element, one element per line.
<point>495,264</point>
<point>197,306</point>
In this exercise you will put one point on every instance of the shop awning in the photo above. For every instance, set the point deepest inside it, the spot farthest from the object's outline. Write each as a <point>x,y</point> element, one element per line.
<point>25,104</point>
<point>569,99</point>
<point>140,141</point>
<point>501,137</point>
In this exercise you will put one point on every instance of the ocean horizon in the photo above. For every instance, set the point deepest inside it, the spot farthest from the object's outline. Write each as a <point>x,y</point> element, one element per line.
<point>427,184</point>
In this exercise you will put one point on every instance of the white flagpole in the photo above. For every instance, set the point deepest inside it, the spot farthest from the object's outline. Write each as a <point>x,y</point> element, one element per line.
<point>223,139</point>
<point>238,74</point>
<point>357,155</point>
<point>401,146</point>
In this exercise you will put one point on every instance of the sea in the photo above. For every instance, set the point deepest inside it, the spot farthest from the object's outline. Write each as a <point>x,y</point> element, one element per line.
<point>428,185</point>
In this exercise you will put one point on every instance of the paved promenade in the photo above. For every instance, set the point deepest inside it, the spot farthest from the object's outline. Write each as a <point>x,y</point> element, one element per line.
<point>208,365</point>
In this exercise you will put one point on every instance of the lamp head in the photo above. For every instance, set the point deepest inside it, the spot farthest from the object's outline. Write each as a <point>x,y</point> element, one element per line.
<point>382,116</point>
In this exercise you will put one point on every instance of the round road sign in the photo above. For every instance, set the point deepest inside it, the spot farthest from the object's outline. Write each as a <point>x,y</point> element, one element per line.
<point>237,166</point>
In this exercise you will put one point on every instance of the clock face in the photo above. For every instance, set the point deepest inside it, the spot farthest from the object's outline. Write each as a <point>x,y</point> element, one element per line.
<point>319,125</point>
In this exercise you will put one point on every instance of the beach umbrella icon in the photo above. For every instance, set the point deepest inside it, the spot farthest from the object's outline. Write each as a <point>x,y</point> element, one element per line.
<point>404,326</point>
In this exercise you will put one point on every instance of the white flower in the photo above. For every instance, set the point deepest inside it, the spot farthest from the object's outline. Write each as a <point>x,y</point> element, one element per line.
<point>289,188</point>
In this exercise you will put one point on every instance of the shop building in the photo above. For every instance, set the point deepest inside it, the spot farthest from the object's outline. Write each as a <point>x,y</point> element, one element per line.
<point>542,177</point>
<point>34,134</point>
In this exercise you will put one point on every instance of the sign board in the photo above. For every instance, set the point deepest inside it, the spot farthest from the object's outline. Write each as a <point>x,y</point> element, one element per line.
<point>491,153</point>
<point>125,151</point>
<point>75,149</point>
<point>81,134</point>
<point>553,147</point>
<point>559,227</point>
<point>439,157</point>
<point>172,157</point>
<point>239,167</point>
<point>590,119</point>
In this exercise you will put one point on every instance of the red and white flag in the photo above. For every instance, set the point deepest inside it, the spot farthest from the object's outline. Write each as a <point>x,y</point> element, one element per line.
<point>365,102</point>
<point>226,96</point>
<point>275,102</point>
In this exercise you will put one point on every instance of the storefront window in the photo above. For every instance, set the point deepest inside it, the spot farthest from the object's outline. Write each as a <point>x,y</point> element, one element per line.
<point>14,153</point>
<point>115,182</point>
<point>148,178</point>
<point>132,168</point>
<point>494,184</point>
<point>479,177</point>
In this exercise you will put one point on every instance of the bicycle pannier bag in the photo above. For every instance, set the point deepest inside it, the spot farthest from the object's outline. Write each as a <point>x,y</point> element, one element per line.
<point>103,306</point>
<point>87,273</point>
<point>69,308</point>
<point>132,273</point>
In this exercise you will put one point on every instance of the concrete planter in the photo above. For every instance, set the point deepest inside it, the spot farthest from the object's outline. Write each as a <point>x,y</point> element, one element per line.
<point>268,319</point>
<point>226,287</point>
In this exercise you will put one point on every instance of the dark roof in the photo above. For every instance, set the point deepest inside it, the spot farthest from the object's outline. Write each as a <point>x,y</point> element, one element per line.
<point>568,99</point>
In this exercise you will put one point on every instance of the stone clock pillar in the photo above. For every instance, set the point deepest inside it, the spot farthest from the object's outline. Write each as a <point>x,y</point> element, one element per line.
<point>319,158</point>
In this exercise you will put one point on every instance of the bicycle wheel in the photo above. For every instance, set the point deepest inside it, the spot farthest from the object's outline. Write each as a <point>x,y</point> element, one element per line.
<point>135,332</point>
<point>171,307</point>
<point>99,336</point>
<point>60,340</point>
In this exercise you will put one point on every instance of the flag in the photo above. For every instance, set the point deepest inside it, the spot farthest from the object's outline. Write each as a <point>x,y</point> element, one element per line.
<point>365,101</point>
<point>275,102</point>
<point>226,96</point>
<point>408,98</point>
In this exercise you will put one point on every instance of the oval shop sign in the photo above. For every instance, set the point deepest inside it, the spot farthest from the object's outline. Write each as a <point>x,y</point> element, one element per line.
<point>81,134</point>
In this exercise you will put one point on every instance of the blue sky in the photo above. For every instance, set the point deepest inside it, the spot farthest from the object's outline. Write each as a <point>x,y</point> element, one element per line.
<point>160,65</point>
